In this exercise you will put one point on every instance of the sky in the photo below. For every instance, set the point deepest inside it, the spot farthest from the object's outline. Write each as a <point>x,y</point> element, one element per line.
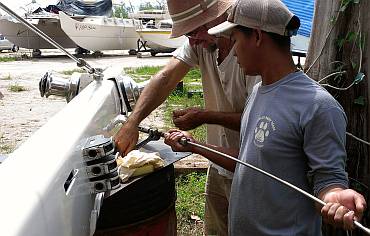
<point>15,4</point>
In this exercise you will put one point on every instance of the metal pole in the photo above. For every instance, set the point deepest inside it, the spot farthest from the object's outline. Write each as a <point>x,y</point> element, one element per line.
<point>184,142</point>
<point>80,62</point>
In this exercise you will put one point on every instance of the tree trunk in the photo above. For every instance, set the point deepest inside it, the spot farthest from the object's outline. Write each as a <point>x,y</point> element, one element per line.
<point>341,52</point>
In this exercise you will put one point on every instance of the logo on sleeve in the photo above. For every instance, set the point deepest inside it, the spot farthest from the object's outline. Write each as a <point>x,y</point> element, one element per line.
<point>265,126</point>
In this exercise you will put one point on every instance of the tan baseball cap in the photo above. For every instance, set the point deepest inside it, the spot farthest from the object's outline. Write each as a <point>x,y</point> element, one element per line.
<point>267,15</point>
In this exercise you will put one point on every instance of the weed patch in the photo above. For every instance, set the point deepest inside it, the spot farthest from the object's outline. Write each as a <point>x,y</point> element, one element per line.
<point>190,203</point>
<point>8,77</point>
<point>4,147</point>
<point>16,88</point>
<point>7,59</point>
<point>70,72</point>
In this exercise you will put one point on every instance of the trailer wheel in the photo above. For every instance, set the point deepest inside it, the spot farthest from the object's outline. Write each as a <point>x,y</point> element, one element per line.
<point>15,48</point>
<point>36,53</point>
<point>132,52</point>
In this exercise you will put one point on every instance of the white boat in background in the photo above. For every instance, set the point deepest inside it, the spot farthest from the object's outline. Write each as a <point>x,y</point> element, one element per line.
<point>150,15</point>
<point>98,33</point>
<point>20,35</point>
<point>158,39</point>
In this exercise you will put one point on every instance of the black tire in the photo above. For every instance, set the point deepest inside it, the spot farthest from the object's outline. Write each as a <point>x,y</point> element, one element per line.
<point>15,48</point>
<point>153,54</point>
<point>36,53</point>
<point>132,52</point>
<point>80,51</point>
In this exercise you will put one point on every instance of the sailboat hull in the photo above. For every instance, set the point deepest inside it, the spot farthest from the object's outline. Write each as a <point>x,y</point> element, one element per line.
<point>100,33</point>
<point>20,35</point>
<point>159,39</point>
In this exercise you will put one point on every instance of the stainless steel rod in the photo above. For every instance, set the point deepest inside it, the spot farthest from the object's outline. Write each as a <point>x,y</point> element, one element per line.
<point>80,62</point>
<point>184,141</point>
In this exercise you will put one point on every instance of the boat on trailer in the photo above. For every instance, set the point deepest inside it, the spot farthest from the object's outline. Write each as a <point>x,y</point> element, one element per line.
<point>98,33</point>
<point>47,20</point>
<point>158,38</point>
<point>20,35</point>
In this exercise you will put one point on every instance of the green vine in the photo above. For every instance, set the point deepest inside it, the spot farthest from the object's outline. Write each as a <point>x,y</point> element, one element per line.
<point>339,73</point>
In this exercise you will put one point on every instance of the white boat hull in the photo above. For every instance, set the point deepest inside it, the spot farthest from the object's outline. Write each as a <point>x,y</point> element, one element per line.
<point>158,39</point>
<point>99,33</point>
<point>20,35</point>
<point>35,201</point>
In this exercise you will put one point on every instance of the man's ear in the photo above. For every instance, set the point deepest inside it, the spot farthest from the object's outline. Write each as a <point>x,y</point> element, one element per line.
<point>258,33</point>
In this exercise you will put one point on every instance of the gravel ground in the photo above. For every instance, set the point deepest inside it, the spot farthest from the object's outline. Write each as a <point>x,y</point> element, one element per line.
<point>22,113</point>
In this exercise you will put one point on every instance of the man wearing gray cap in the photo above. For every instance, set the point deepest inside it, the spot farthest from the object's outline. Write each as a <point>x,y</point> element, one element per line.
<point>225,90</point>
<point>291,127</point>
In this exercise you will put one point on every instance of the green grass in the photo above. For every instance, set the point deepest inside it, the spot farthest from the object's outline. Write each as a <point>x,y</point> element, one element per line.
<point>8,77</point>
<point>146,72</point>
<point>190,203</point>
<point>16,88</point>
<point>180,101</point>
<point>5,148</point>
<point>177,100</point>
<point>70,72</point>
<point>7,59</point>
<point>142,73</point>
<point>190,188</point>
<point>193,76</point>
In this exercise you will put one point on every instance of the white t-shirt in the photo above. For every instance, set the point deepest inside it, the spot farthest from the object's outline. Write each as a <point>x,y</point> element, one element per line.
<point>225,89</point>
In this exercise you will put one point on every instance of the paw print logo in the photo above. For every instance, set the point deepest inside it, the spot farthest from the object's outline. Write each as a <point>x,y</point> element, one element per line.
<point>261,132</point>
<point>264,128</point>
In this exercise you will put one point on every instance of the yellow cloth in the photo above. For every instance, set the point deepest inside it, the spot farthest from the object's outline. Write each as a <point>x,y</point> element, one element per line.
<point>140,162</point>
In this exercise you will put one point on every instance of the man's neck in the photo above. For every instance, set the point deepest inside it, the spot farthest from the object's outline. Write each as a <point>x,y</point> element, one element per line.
<point>277,69</point>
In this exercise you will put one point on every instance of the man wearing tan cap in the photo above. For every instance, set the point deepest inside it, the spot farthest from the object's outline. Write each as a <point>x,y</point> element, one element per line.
<point>225,91</point>
<point>291,127</point>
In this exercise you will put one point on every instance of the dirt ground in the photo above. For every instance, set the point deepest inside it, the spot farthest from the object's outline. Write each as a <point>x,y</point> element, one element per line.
<point>22,113</point>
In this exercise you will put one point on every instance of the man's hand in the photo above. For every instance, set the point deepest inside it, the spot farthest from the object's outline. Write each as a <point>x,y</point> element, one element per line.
<point>343,206</point>
<point>188,118</point>
<point>126,138</point>
<point>172,138</point>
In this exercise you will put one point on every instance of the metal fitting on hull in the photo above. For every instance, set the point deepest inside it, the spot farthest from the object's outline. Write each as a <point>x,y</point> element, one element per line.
<point>53,84</point>
<point>129,91</point>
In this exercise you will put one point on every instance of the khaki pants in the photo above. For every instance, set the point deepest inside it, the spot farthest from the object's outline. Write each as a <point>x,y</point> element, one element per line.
<point>217,203</point>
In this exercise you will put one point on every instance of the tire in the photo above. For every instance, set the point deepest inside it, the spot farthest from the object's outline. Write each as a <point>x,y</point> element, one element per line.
<point>80,51</point>
<point>15,48</point>
<point>132,52</point>
<point>36,53</point>
<point>153,54</point>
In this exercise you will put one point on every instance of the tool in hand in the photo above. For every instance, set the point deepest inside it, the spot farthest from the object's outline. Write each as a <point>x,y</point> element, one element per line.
<point>154,135</point>
<point>184,141</point>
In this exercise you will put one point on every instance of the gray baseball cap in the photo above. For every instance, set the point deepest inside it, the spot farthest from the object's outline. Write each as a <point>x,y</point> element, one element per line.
<point>267,15</point>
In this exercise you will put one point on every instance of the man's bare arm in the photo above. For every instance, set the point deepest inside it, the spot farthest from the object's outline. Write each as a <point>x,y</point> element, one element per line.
<point>157,90</point>
<point>193,117</point>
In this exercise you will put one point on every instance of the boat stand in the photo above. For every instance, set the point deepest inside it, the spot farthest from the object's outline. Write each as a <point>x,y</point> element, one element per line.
<point>141,47</point>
